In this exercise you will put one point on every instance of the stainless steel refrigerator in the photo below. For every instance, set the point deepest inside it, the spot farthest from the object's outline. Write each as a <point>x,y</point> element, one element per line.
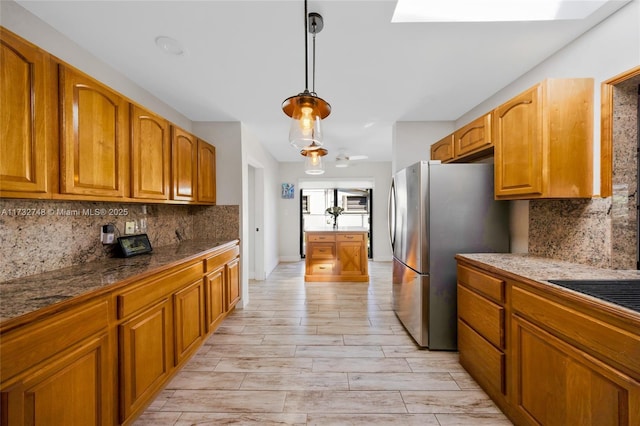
<point>436,211</point>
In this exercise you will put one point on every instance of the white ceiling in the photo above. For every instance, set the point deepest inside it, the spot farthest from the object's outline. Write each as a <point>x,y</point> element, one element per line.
<point>243,58</point>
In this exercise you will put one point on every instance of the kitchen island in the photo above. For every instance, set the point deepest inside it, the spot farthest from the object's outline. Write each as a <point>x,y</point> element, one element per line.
<point>336,254</point>
<point>546,354</point>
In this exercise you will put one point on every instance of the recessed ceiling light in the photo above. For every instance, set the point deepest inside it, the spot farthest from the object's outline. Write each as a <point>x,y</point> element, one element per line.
<point>493,10</point>
<point>169,46</point>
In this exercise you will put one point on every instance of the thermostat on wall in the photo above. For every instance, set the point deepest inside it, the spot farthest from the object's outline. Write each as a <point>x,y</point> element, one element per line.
<point>134,244</point>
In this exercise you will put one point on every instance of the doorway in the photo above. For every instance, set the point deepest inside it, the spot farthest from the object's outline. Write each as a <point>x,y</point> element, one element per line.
<point>255,199</point>
<point>356,202</point>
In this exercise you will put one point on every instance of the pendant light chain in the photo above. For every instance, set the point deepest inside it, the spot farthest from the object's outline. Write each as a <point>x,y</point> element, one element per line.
<point>313,72</point>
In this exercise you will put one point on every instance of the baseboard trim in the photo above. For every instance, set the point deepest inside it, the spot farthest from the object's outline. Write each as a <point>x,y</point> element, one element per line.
<point>285,259</point>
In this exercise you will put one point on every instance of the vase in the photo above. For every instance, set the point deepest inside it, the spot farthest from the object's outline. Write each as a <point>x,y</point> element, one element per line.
<point>335,222</point>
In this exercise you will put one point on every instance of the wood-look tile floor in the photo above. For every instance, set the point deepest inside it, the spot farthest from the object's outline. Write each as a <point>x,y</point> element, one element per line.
<point>320,354</point>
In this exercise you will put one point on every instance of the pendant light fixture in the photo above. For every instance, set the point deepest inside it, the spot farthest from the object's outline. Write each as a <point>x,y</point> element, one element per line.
<point>313,164</point>
<point>306,109</point>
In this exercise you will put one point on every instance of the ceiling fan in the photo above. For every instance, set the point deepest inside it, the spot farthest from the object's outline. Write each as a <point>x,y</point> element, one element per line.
<point>343,159</point>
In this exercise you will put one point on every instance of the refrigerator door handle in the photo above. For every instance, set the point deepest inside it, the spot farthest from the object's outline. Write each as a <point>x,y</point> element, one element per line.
<point>391,207</point>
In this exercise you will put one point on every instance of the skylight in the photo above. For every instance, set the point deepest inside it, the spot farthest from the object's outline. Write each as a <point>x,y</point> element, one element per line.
<point>493,10</point>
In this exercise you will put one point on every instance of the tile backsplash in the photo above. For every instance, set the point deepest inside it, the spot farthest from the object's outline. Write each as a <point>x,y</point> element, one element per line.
<point>573,230</point>
<point>42,235</point>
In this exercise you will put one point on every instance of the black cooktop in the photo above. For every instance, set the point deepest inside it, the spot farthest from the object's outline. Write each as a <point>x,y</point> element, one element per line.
<point>621,292</point>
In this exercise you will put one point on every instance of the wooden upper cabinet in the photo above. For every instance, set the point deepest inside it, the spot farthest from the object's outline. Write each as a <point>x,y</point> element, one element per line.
<point>94,146</point>
<point>26,118</point>
<point>206,172</point>
<point>184,169</point>
<point>518,162</point>
<point>443,149</point>
<point>150,154</point>
<point>543,142</point>
<point>474,137</point>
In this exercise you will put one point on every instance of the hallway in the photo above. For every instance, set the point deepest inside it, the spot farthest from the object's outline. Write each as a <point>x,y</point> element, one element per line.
<point>320,354</point>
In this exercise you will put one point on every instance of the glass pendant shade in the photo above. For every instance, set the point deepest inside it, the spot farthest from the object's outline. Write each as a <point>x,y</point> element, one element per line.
<point>313,164</point>
<point>306,112</point>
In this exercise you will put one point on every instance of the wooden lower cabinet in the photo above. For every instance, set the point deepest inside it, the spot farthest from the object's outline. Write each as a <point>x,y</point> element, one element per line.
<point>188,308</point>
<point>546,359</point>
<point>214,283</point>
<point>59,371</point>
<point>481,330</point>
<point>145,356</point>
<point>233,283</point>
<point>103,359</point>
<point>558,384</point>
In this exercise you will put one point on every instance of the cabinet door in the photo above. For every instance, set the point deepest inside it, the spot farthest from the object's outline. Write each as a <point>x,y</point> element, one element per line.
<point>188,323</point>
<point>25,119</point>
<point>145,356</point>
<point>71,389</point>
<point>443,149</point>
<point>94,146</point>
<point>184,169</point>
<point>150,150</point>
<point>233,283</point>
<point>351,258</point>
<point>560,385</point>
<point>206,172</point>
<point>214,296</point>
<point>518,145</point>
<point>474,137</point>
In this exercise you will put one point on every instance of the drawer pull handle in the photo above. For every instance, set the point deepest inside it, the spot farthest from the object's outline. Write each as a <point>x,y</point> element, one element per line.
<point>349,237</point>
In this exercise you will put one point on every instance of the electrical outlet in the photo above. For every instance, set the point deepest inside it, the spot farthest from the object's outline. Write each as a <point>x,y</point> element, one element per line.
<point>129,227</point>
<point>107,234</point>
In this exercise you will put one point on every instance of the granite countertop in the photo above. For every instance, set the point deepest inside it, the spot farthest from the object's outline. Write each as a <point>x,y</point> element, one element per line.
<point>24,295</point>
<point>339,229</point>
<point>541,270</point>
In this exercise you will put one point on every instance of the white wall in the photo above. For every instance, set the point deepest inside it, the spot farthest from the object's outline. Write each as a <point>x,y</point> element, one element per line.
<point>412,140</point>
<point>30,27</point>
<point>289,214</point>
<point>236,150</point>
<point>254,154</point>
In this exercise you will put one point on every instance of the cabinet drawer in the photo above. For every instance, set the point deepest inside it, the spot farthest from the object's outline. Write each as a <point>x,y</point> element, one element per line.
<point>485,284</point>
<point>27,346</point>
<point>350,237</point>
<point>219,259</point>
<point>484,316</point>
<point>481,359</point>
<point>321,268</point>
<point>322,251</point>
<point>156,288</point>
<point>321,237</point>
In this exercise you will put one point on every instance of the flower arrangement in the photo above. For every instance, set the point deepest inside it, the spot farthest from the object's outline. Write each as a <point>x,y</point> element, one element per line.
<point>335,211</point>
